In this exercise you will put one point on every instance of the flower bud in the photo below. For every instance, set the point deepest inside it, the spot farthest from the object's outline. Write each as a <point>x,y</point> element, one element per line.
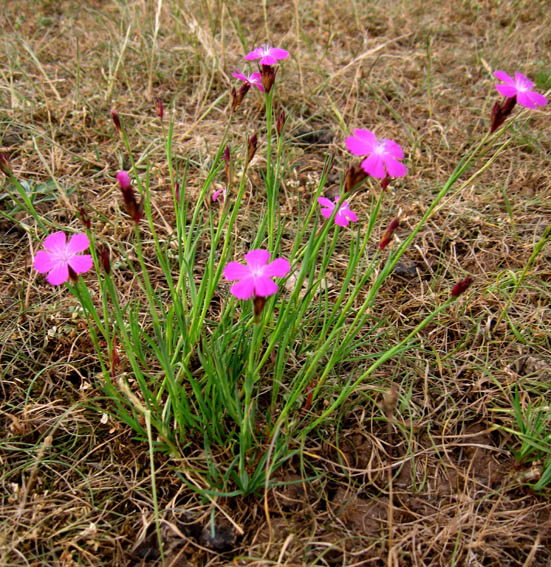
<point>461,286</point>
<point>353,177</point>
<point>177,191</point>
<point>259,303</point>
<point>268,74</point>
<point>103,253</point>
<point>384,182</point>
<point>5,163</point>
<point>85,218</point>
<point>500,112</point>
<point>252,144</point>
<point>387,236</point>
<point>133,208</point>
<point>227,163</point>
<point>159,108</point>
<point>281,118</point>
<point>116,120</point>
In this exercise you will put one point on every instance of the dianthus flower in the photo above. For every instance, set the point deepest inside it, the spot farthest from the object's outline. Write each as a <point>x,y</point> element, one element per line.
<point>344,214</point>
<point>255,277</point>
<point>253,80</point>
<point>520,87</point>
<point>383,155</point>
<point>268,55</point>
<point>61,257</point>
<point>220,194</point>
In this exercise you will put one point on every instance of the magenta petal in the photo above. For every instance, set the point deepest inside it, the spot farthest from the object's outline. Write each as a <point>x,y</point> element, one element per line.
<point>123,179</point>
<point>78,243</point>
<point>257,258</point>
<point>254,54</point>
<point>55,242</point>
<point>264,287</point>
<point>507,90</point>
<point>374,166</point>
<point>268,60</point>
<point>395,168</point>
<point>393,149</point>
<point>352,215</point>
<point>81,263</point>
<point>503,76</point>
<point>279,53</point>
<point>239,75</point>
<point>279,268</point>
<point>531,99</point>
<point>59,274</point>
<point>341,219</point>
<point>523,82</point>
<point>236,271</point>
<point>357,146</point>
<point>43,262</point>
<point>243,289</point>
<point>366,136</point>
<point>325,202</point>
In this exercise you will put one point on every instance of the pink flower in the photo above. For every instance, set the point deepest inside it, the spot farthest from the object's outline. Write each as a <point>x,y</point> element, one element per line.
<point>254,278</point>
<point>344,214</point>
<point>220,193</point>
<point>521,87</point>
<point>60,257</point>
<point>383,155</point>
<point>268,55</point>
<point>253,80</point>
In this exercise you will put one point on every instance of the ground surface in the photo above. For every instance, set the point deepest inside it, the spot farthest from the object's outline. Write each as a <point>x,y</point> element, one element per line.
<point>75,487</point>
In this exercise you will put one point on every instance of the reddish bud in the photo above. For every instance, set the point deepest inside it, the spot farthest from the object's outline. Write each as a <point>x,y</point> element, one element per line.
<point>133,208</point>
<point>115,358</point>
<point>103,253</point>
<point>238,96</point>
<point>280,123</point>
<point>5,163</point>
<point>252,144</point>
<point>353,177</point>
<point>387,236</point>
<point>73,275</point>
<point>384,182</point>
<point>500,112</point>
<point>268,74</point>
<point>227,162</point>
<point>85,218</point>
<point>159,108</point>
<point>177,191</point>
<point>116,119</point>
<point>461,286</point>
<point>259,303</point>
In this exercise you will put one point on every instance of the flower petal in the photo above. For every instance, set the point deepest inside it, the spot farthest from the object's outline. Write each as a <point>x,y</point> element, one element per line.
<point>523,82</point>
<point>393,149</point>
<point>268,60</point>
<point>78,243</point>
<point>340,219</point>
<point>507,90</point>
<point>55,242</point>
<point>243,289</point>
<point>531,99</point>
<point>236,271</point>
<point>503,76</point>
<point>357,146</point>
<point>374,166</point>
<point>43,262</point>
<point>279,53</point>
<point>395,168</point>
<point>81,263</point>
<point>325,202</point>
<point>279,268</point>
<point>239,75</point>
<point>264,286</point>
<point>351,215</point>
<point>257,258</point>
<point>254,54</point>
<point>59,274</point>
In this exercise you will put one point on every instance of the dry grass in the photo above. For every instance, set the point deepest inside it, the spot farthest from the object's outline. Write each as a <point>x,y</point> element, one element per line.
<point>76,488</point>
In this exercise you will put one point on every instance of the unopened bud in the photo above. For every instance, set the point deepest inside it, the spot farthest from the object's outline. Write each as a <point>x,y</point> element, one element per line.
<point>133,208</point>
<point>159,108</point>
<point>259,303</point>
<point>500,112</point>
<point>384,182</point>
<point>5,163</point>
<point>461,287</point>
<point>116,120</point>
<point>281,118</point>
<point>353,177</point>
<point>177,191</point>
<point>251,147</point>
<point>390,400</point>
<point>268,74</point>
<point>103,253</point>
<point>387,236</point>
<point>73,275</point>
<point>227,163</point>
<point>85,218</point>
<point>238,96</point>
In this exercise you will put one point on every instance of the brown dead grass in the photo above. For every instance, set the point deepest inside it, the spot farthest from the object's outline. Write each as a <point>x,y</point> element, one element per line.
<point>76,488</point>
